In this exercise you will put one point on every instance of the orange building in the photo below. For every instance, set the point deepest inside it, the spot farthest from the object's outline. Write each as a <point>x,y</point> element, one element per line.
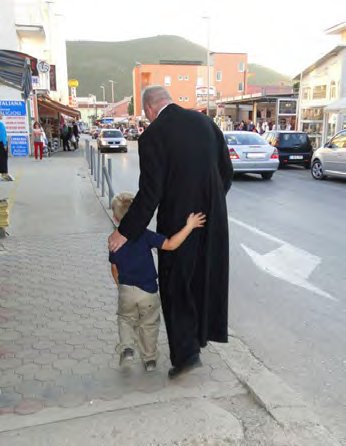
<point>187,82</point>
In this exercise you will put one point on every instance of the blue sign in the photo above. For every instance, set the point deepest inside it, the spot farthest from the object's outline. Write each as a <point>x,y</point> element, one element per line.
<point>19,145</point>
<point>12,108</point>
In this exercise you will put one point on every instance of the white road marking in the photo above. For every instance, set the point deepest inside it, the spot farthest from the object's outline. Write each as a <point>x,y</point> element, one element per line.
<point>289,263</point>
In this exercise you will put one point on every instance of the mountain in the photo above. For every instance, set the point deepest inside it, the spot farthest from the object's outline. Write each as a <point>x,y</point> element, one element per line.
<point>263,76</point>
<point>95,63</point>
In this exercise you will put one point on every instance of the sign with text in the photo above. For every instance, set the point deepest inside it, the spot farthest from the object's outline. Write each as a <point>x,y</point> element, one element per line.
<point>19,145</point>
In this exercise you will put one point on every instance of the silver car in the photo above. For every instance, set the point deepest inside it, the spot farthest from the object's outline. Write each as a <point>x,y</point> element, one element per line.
<point>330,160</point>
<point>250,153</point>
<point>111,140</point>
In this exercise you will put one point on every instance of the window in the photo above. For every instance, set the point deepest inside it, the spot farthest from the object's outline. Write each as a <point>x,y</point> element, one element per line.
<point>186,99</point>
<point>168,81</point>
<point>240,86</point>
<point>181,98</point>
<point>306,93</point>
<point>187,77</point>
<point>319,92</point>
<point>199,81</point>
<point>219,76</point>
<point>332,90</point>
<point>241,67</point>
<point>339,141</point>
<point>180,77</point>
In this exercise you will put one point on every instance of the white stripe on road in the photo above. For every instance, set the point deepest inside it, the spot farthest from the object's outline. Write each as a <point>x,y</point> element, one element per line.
<point>289,263</point>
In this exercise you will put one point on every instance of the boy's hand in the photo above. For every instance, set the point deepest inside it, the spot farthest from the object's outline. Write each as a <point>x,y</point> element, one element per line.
<point>196,220</point>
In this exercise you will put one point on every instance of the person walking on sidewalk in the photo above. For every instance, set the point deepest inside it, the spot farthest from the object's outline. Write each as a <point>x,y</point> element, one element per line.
<point>65,136</point>
<point>184,166</point>
<point>134,272</point>
<point>39,137</point>
<point>3,148</point>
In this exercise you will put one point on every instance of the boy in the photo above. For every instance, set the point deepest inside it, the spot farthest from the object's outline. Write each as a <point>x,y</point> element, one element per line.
<point>135,274</point>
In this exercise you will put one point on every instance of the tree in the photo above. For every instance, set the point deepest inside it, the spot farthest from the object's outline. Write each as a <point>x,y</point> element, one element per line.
<point>130,107</point>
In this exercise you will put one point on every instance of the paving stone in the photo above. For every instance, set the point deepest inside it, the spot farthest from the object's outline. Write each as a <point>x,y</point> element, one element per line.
<point>45,358</point>
<point>9,378</point>
<point>61,348</point>
<point>76,340</point>
<point>223,375</point>
<point>65,364</point>
<point>80,354</point>
<point>9,335</point>
<point>28,406</point>
<point>10,363</point>
<point>28,370</point>
<point>9,399</point>
<point>45,375</point>
<point>43,345</point>
<point>100,359</point>
<point>71,399</point>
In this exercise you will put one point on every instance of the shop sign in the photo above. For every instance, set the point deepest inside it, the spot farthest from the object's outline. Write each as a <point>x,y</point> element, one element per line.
<point>43,66</point>
<point>19,145</point>
<point>73,83</point>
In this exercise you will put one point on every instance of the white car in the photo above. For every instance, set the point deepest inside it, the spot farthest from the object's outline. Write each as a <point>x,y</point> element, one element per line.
<point>330,160</point>
<point>111,140</point>
<point>250,153</point>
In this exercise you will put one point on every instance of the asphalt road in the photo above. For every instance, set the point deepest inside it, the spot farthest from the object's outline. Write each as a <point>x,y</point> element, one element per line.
<point>287,278</point>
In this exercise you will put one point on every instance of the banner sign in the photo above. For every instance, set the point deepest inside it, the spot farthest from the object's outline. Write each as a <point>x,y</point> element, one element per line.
<point>19,145</point>
<point>16,123</point>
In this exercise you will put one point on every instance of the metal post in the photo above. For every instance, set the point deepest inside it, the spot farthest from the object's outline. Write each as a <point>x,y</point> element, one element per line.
<point>87,148</point>
<point>103,175</point>
<point>98,167</point>
<point>110,168</point>
<point>110,187</point>
<point>94,162</point>
<point>91,161</point>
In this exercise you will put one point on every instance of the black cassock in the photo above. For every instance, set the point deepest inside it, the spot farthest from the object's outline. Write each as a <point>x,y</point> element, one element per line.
<point>185,167</point>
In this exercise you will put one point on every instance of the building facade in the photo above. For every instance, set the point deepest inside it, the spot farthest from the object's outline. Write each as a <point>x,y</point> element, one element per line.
<point>187,82</point>
<point>322,98</point>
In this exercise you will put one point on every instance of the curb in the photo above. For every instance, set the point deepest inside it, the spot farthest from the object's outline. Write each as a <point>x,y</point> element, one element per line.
<point>283,404</point>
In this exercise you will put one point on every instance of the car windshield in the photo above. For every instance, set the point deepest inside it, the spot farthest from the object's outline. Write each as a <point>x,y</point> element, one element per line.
<point>111,134</point>
<point>293,139</point>
<point>242,139</point>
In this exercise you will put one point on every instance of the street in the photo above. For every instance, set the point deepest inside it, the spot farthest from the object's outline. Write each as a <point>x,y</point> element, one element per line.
<point>287,279</point>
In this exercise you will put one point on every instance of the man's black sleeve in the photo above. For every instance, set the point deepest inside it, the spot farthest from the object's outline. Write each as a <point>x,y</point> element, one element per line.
<point>152,161</point>
<point>224,161</point>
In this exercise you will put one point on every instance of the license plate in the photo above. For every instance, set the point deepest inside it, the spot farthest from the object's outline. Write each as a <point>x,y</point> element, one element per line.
<point>296,157</point>
<point>115,146</point>
<point>255,155</point>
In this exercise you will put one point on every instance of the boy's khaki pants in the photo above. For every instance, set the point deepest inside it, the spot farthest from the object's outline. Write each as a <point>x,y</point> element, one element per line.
<point>138,320</point>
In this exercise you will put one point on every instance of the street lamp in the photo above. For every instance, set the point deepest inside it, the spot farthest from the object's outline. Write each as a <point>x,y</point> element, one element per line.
<point>207,18</point>
<point>112,84</point>
<point>104,92</point>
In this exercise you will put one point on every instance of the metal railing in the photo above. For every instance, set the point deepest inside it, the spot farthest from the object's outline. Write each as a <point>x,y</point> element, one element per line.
<point>101,173</point>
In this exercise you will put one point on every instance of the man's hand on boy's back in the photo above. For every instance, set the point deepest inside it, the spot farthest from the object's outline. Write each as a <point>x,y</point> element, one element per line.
<point>116,241</point>
<point>196,220</point>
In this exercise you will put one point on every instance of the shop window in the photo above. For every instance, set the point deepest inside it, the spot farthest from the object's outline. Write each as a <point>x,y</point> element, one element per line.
<point>332,90</point>
<point>241,86</point>
<point>219,76</point>
<point>319,92</point>
<point>168,81</point>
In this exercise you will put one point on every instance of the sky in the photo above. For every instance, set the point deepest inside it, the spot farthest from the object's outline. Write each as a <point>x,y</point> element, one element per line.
<point>285,36</point>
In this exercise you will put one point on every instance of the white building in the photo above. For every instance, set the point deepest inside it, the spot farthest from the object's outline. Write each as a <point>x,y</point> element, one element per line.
<point>323,92</point>
<point>35,27</point>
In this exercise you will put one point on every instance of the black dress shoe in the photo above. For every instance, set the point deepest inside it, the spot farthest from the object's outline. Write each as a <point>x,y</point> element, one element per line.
<point>187,366</point>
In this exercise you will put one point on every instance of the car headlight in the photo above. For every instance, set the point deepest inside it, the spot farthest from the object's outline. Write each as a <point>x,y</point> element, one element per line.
<point>103,142</point>
<point>123,142</point>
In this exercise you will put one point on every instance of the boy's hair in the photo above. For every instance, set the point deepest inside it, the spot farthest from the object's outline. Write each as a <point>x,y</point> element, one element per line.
<point>121,204</point>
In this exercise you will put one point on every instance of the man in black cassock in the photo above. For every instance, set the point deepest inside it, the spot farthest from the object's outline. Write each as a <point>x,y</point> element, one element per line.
<point>184,167</point>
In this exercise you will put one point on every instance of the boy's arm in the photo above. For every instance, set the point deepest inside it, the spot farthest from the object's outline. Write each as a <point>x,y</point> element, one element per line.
<point>194,221</point>
<point>115,273</point>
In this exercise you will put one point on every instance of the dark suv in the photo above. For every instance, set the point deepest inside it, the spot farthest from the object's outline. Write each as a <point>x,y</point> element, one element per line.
<point>293,147</point>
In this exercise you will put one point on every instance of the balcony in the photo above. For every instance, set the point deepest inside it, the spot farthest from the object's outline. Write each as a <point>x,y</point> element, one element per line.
<point>29,19</point>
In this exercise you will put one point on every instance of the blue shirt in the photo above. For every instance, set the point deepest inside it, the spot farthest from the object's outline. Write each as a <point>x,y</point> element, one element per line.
<point>135,262</point>
<point>3,134</point>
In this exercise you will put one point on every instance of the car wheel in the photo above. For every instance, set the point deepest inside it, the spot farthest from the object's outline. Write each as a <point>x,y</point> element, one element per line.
<point>317,170</point>
<point>267,175</point>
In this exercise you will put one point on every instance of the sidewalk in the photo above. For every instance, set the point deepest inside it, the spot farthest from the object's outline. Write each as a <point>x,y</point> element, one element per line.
<point>59,375</point>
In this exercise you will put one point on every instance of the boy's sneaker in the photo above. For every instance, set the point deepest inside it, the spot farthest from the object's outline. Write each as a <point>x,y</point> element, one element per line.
<point>150,366</point>
<point>126,356</point>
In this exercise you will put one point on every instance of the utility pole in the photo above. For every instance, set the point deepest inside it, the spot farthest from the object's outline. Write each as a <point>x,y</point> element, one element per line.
<point>207,18</point>
<point>112,84</point>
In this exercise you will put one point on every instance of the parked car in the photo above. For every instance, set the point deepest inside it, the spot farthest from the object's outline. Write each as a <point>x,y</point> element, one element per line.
<point>330,160</point>
<point>294,147</point>
<point>132,134</point>
<point>250,153</point>
<point>111,140</point>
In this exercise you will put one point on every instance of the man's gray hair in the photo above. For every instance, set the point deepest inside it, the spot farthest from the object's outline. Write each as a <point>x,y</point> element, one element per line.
<point>155,94</point>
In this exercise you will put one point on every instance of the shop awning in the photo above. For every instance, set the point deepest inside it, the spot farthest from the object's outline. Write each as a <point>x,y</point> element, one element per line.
<point>47,103</point>
<point>15,71</point>
<point>337,106</point>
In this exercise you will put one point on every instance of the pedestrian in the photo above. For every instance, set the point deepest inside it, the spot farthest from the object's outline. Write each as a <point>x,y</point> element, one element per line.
<point>134,272</point>
<point>39,138</point>
<point>65,136</point>
<point>3,148</point>
<point>184,167</point>
<point>75,135</point>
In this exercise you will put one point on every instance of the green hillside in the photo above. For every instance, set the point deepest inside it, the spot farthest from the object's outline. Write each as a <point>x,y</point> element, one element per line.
<point>259,75</point>
<point>95,63</point>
